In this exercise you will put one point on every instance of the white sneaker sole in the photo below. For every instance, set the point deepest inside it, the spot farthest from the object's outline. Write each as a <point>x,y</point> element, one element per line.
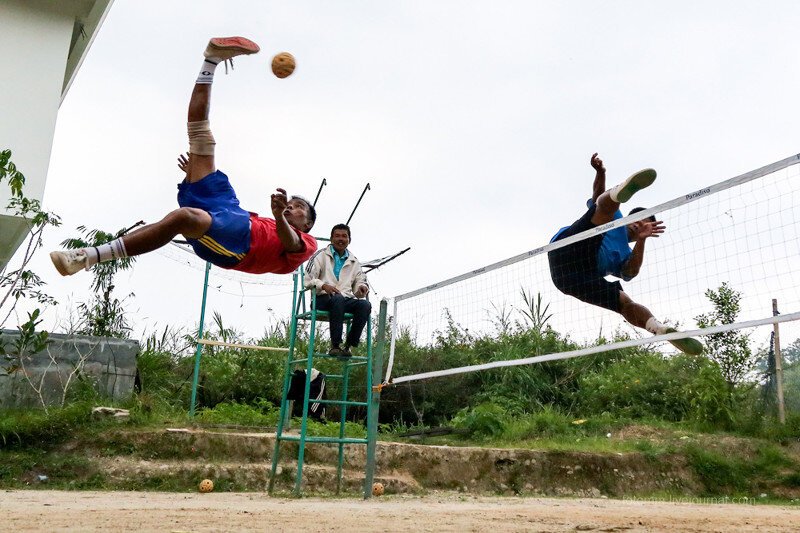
<point>635,183</point>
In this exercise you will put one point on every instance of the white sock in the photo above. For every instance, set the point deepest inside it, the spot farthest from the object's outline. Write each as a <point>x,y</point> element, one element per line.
<point>206,76</point>
<point>654,326</point>
<point>105,252</point>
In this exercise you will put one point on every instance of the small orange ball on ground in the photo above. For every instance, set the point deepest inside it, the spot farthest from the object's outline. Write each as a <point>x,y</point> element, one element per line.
<point>377,489</point>
<point>206,486</point>
<point>283,65</point>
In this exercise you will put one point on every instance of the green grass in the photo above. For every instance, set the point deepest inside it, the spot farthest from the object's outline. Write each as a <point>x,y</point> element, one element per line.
<point>233,413</point>
<point>30,427</point>
<point>719,473</point>
<point>23,468</point>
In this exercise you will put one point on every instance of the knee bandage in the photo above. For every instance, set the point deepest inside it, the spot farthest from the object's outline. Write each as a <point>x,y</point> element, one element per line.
<point>201,140</point>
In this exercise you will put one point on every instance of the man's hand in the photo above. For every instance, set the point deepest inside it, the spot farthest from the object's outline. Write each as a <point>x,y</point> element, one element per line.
<point>330,289</point>
<point>361,291</point>
<point>645,229</point>
<point>597,163</point>
<point>183,162</point>
<point>278,203</point>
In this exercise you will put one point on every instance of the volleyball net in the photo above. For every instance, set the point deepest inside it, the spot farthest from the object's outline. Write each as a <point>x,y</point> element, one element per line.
<point>742,232</point>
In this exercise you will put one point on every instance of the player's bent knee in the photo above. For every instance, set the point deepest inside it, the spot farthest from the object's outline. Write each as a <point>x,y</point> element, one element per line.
<point>191,221</point>
<point>201,140</point>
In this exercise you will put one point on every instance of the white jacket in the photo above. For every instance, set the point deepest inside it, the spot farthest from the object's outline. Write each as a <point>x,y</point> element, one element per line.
<point>319,271</point>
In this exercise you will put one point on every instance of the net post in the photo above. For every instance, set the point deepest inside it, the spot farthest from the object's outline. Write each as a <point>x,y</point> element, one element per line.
<point>199,351</point>
<point>778,366</point>
<point>372,421</point>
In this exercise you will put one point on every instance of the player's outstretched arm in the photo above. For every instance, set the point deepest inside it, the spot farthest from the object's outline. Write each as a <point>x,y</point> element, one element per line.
<point>643,231</point>
<point>289,238</point>
<point>599,185</point>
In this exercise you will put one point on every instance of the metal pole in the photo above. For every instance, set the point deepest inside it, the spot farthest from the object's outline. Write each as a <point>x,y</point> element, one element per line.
<point>285,416</point>
<point>372,421</point>
<point>321,185</point>
<point>199,346</point>
<point>778,366</point>
<point>358,202</point>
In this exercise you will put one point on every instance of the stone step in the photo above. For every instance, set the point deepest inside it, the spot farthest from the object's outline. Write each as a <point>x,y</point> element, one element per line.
<point>126,472</point>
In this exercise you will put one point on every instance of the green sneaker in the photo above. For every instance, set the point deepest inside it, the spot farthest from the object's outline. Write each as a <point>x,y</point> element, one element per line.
<point>638,181</point>
<point>687,345</point>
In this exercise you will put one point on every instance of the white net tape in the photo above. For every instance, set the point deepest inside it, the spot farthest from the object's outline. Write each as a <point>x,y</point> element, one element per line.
<point>744,231</point>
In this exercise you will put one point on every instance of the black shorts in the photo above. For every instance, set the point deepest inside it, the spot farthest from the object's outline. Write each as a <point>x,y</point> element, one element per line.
<point>573,268</point>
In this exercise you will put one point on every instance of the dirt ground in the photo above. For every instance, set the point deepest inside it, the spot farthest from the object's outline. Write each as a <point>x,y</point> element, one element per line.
<point>39,510</point>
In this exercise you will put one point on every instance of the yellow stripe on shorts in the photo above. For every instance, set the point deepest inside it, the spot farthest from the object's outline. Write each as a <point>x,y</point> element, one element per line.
<point>216,247</point>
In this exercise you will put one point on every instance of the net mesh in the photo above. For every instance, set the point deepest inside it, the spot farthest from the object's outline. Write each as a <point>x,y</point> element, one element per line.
<point>742,232</point>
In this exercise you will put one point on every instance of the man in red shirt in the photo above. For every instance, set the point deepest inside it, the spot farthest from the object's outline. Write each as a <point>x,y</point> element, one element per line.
<point>210,217</point>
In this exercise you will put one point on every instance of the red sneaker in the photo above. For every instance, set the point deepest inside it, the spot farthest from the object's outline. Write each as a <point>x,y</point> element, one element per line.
<point>225,48</point>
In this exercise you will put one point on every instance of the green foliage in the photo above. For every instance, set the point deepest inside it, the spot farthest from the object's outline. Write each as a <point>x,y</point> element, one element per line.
<point>9,172</point>
<point>711,399</point>
<point>259,415</point>
<point>730,349</point>
<point>104,314</point>
<point>791,387</point>
<point>245,376</point>
<point>240,375</point>
<point>791,354</point>
<point>484,420</point>
<point>352,430</point>
<point>545,423</point>
<point>431,401</point>
<point>718,473</point>
<point>23,283</point>
<point>103,273</point>
<point>148,409</point>
<point>157,373</point>
<point>26,428</point>
<point>28,342</point>
<point>535,312</point>
<point>647,384</point>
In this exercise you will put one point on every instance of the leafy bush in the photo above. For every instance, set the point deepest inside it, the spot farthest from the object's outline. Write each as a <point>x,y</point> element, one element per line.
<point>647,384</point>
<point>485,420</point>
<point>547,422</point>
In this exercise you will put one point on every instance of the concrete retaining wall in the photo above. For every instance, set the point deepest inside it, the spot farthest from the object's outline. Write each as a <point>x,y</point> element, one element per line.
<point>109,363</point>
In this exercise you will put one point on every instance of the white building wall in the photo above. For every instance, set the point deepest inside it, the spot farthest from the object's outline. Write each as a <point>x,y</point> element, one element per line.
<point>35,39</point>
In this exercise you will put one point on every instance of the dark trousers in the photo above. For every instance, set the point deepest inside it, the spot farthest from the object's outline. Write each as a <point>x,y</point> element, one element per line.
<point>337,305</point>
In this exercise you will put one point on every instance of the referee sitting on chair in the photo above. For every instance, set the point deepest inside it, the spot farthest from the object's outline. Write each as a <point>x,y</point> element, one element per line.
<point>341,286</point>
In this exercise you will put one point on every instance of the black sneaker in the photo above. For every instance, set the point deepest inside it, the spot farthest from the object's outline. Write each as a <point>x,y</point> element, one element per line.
<point>338,352</point>
<point>346,351</point>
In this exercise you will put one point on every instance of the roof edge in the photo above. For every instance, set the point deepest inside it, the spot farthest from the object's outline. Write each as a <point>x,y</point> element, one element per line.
<point>85,31</point>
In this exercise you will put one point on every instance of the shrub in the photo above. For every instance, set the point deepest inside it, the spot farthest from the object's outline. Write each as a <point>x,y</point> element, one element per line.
<point>485,420</point>
<point>647,384</point>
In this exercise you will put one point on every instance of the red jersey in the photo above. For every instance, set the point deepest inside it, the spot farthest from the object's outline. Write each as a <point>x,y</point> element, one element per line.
<point>267,254</point>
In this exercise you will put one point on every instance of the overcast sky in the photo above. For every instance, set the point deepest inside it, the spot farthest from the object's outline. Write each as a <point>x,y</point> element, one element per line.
<point>472,121</point>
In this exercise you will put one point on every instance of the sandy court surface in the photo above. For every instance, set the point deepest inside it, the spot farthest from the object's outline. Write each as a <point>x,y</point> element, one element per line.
<point>177,512</point>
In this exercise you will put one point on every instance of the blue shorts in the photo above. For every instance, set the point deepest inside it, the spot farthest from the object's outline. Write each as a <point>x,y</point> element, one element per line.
<point>228,239</point>
<point>573,268</point>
